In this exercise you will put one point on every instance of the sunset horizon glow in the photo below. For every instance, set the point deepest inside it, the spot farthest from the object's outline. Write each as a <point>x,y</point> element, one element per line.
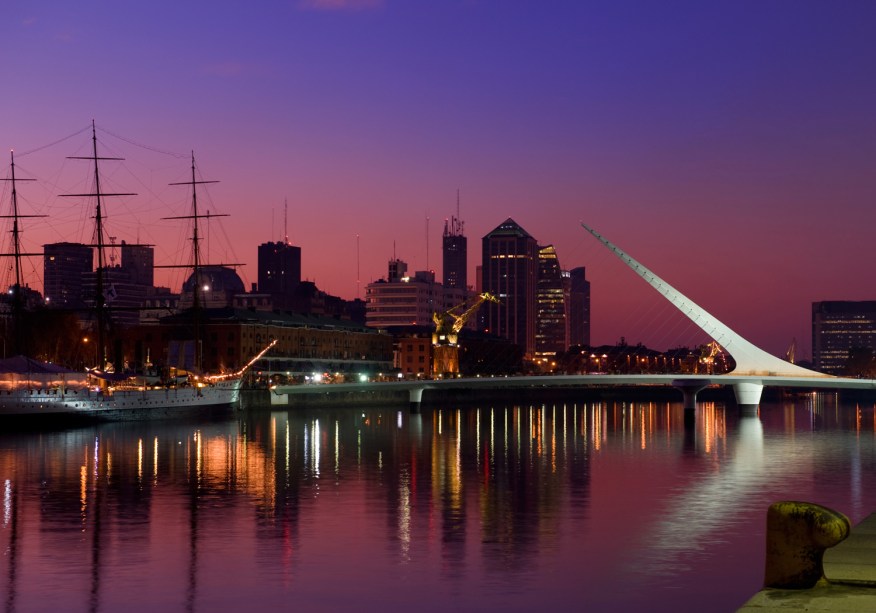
<point>729,147</point>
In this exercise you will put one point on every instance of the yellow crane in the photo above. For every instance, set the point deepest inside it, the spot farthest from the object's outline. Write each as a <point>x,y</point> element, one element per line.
<point>708,354</point>
<point>445,338</point>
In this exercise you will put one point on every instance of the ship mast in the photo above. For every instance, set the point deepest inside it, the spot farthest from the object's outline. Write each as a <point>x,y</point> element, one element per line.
<point>196,259</point>
<point>17,298</point>
<point>99,297</point>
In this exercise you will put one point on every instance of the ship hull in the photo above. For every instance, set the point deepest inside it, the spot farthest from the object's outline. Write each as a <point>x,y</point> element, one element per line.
<point>48,406</point>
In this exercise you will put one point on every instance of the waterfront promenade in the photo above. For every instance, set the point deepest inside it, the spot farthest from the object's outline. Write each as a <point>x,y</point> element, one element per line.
<point>281,394</point>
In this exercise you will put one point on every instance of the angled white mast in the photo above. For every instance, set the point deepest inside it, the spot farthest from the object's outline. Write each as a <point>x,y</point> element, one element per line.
<point>750,359</point>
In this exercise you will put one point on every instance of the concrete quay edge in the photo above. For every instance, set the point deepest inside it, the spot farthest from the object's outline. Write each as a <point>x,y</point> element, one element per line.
<point>850,585</point>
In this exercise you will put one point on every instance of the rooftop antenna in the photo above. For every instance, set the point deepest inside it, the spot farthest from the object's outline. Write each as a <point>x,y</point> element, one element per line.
<point>286,219</point>
<point>455,225</point>
<point>358,277</point>
<point>427,242</point>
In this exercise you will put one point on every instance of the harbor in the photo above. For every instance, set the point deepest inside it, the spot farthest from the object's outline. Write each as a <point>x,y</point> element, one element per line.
<point>613,503</point>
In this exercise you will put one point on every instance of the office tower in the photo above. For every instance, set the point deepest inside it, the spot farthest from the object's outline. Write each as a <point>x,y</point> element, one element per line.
<point>401,300</point>
<point>279,271</point>
<point>509,272</point>
<point>64,267</point>
<point>455,250</point>
<point>121,297</point>
<point>138,261</point>
<point>579,308</point>
<point>838,327</point>
<point>552,329</point>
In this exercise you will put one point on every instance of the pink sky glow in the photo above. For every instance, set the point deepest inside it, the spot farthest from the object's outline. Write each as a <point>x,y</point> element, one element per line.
<point>729,146</point>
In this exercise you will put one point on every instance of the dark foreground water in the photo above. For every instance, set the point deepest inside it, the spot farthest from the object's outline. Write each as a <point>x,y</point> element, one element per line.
<point>588,506</point>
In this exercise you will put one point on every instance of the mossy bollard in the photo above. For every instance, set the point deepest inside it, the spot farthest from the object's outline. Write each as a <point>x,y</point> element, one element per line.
<point>797,535</point>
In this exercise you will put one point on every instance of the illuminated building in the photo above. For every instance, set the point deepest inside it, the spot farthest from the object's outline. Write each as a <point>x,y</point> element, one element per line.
<point>401,300</point>
<point>64,265</point>
<point>838,327</point>
<point>551,303</point>
<point>510,272</point>
<point>579,308</point>
<point>412,354</point>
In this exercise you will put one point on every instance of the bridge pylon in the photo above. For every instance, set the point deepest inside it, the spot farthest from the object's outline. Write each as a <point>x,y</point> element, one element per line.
<point>750,360</point>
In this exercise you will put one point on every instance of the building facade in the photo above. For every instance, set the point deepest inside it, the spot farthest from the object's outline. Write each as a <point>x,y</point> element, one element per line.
<point>579,307</point>
<point>551,305</point>
<point>138,261</point>
<point>64,269</point>
<point>412,354</point>
<point>231,338</point>
<point>838,327</point>
<point>401,300</point>
<point>455,254</point>
<point>279,271</point>
<point>510,272</point>
<point>122,298</point>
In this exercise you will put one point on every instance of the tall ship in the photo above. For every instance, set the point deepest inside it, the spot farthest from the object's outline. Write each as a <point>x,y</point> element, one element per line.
<point>44,393</point>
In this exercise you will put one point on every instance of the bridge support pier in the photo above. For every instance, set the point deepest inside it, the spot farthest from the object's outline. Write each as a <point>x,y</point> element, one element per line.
<point>748,396</point>
<point>415,396</point>
<point>689,389</point>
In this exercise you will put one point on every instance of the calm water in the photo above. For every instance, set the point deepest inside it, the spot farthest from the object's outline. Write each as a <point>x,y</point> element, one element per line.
<point>591,506</point>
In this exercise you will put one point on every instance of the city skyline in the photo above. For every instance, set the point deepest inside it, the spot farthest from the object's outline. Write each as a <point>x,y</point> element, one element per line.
<point>729,147</point>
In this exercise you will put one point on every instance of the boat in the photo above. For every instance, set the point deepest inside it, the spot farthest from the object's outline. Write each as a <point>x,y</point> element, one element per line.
<point>31,390</point>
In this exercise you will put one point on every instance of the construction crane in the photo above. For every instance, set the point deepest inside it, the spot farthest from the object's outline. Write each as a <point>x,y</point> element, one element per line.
<point>708,354</point>
<point>445,338</point>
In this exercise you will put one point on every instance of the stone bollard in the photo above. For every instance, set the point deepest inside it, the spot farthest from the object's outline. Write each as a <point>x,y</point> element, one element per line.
<point>797,535</point>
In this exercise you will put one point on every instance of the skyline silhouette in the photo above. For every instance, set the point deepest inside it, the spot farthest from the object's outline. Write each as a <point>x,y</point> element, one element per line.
<point>730,146</point>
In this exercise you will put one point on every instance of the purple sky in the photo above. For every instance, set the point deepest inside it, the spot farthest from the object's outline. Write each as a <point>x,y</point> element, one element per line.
<point>730,146</point>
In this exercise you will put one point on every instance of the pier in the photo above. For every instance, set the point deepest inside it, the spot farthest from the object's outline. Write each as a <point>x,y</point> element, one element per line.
<point>850,572</point>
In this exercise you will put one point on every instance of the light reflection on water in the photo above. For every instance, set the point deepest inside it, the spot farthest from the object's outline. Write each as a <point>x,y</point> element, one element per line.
<point>598,505</point>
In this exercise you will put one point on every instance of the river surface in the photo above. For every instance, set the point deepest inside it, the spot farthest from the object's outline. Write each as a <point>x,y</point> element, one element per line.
<point>576,506</point>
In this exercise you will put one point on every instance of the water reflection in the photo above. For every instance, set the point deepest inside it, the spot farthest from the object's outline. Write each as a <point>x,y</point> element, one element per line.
<point>615,501</point>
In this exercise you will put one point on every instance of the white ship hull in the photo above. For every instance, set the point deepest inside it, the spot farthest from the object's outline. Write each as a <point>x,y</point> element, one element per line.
<point>120,404</point>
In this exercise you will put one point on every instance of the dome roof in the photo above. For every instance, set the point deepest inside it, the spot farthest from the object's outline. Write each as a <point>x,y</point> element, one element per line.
<point>217,278</point>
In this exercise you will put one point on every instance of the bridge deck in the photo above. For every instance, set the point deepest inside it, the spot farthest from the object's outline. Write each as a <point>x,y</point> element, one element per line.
<point>571,381</point>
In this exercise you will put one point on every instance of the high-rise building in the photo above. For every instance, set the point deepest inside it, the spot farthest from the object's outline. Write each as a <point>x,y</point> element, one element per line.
<point>838,327</point>
<point>551,299</point>
<point>122,298</point>
<point>401,300</point>
<point>279,271</point>
<point>455,251</point>
<point>579,307</point>
<point>64,267</point>
<point>138,261</point>
<point>510,272</point>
